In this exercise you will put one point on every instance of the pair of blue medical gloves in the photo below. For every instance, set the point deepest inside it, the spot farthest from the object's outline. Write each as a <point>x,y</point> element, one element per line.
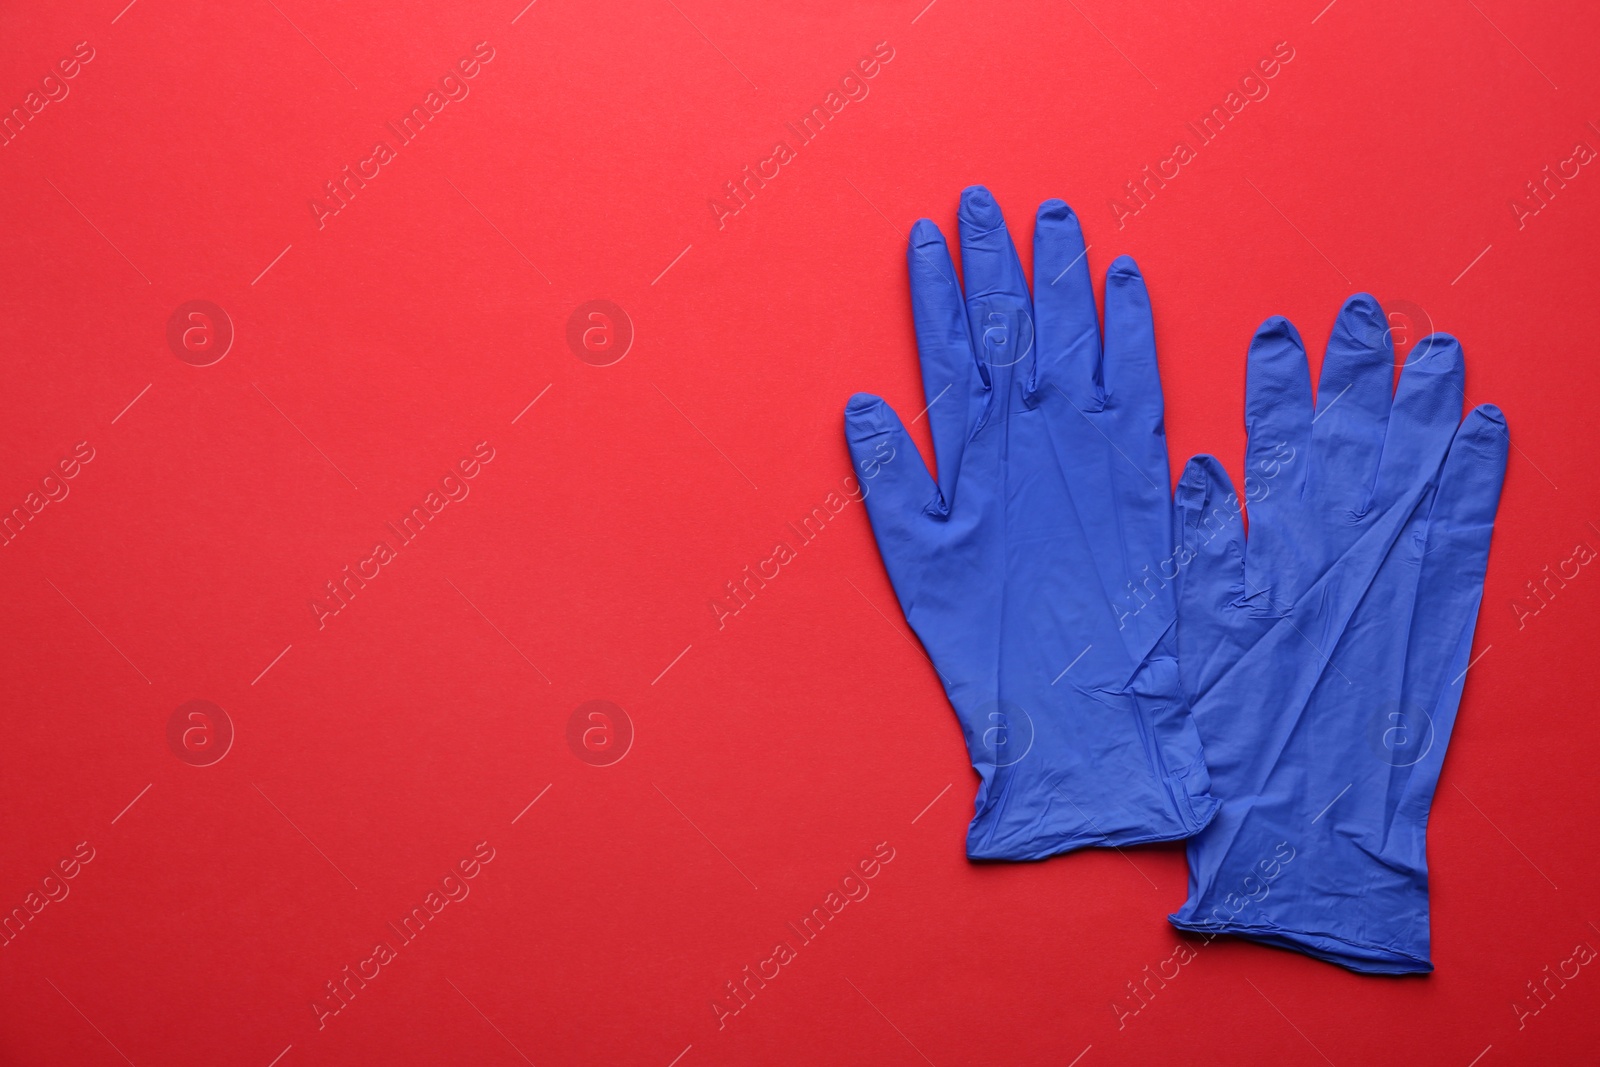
<point>1127,665</point>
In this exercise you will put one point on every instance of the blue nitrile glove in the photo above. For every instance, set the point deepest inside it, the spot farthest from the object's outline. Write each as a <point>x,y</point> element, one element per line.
<point>1017,567</point>
<point>1325,656</point>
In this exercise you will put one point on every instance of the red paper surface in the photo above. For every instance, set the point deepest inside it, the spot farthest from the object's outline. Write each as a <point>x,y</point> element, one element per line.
<point>367,352</point>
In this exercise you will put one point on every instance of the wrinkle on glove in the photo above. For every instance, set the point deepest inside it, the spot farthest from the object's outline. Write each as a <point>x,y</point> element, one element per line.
<point>1031,567</point>
<point>1325,655</point>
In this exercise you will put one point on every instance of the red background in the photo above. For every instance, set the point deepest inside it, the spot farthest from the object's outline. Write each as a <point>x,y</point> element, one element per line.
<point>374,753</point>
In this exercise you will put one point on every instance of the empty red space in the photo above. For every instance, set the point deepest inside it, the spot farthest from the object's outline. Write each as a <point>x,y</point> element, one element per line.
<point>365,695</point>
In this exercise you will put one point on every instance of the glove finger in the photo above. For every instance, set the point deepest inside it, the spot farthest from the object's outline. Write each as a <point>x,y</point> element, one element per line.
<point>1277,403</point>
<point>1063,305</point>
<point>1353,401</point>
<point>1451,583</point>
<point>998,306</point>
<point>951,385</point>
<point>1210,531</point>
<point>1277,415</point>
<point>895,482</point>
<point>1132,379</point>
<point>1209,560</point>
<point>1469,485</point>
<point>1424,419</point>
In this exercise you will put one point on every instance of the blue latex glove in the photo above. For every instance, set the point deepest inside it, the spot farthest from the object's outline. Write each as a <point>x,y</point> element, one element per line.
<point>1016,568</point>
<point>1326,655</point>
